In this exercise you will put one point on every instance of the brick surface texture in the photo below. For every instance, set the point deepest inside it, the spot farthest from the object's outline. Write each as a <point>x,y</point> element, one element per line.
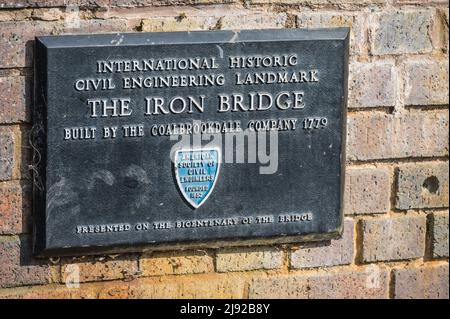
<point>422,282</point>
<point>395,200</point>
<point>355,284</point>
<point>241,259</point>
<point>393,238</point>
<point>336,252</point>
<point>367,191</point>
<point>439,234</point>
<point>423,185</point>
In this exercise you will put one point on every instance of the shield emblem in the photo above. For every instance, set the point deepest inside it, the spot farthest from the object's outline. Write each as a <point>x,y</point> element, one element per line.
<point>196,172</point>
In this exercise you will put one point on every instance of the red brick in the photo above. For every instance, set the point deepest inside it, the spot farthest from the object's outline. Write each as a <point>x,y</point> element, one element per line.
<point>439,234</point>
<point>7,147</point>
<point>17,38</point>
<point>15,153</point>
<point>400,32</point>
<point>367,191</point>
<point>428,282</point>
<point>410,134</point>
<point>393,238</point>
<point>15,100</point>
<point>420,2</point>
<point>18,267</point>
<point>16,42</point>
<point>15,207</point>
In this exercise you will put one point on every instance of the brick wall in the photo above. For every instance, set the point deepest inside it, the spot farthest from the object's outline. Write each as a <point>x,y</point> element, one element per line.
<point>395,243</point>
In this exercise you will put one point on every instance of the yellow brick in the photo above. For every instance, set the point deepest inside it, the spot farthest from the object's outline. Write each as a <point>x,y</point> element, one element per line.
<point>169,263</point>
<point>95,269</point>
<point>248,258</point>
<point>187,287</point>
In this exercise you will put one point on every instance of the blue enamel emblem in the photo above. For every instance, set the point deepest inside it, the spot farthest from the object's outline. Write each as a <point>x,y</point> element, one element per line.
<point>196,172</point>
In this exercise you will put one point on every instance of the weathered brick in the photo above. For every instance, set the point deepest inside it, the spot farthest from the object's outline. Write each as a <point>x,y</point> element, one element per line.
<point>171,263</point>
<point>324,19</point>
<point>38,292</point>
<point>17,38</point>
<point>400,32</point>
<point>126,3</point>
<point>14,15</point>
<point>98,290</point>
<point>393,238</point>
<point>420,1</point>
<point>177,24</point>
<point>99,268</point>
<point>158,3</point>
<point>15,100</point>
<point>422,185</point>
<point>200,286</point>
<point>319,2</point>
<point>253,21</point>
<point>7,145</point>
<point>15,207</point>
<point>430,282</point>
<point>409,134</point>
<point>442,32</point>
<point>439,234</point>
<point>331,253</point>
<point>426,82</point>
<point>51,14</point>
<point>248,258</point>
<point>18,267</point>
<point>113,291</point>
<point>210,19</point>
<point>16,41</point>
<point>203,286</point>
<point>15,153</point>
<point>372,282</point>
<point>367,191</point>
<point>372,84</point>
<point>52,3</point>
<point>164,18</point>
<point>91,26</point>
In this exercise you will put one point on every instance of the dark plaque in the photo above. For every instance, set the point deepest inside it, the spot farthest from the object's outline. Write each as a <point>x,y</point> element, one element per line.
<point>189,139</point>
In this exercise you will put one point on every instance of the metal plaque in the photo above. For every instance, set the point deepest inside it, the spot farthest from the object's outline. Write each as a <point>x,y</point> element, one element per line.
<point>188,139</point>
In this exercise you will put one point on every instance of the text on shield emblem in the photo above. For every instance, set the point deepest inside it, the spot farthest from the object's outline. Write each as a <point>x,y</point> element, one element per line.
<point>196,172</point>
